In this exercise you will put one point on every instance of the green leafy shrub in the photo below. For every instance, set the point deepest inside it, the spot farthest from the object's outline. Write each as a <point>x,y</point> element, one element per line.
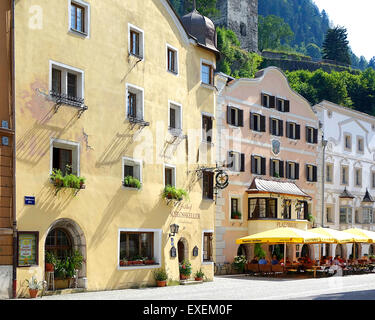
<point>185,268</point>
<point>132,182</point>
<point>171,192</point>
<point>160,275</point>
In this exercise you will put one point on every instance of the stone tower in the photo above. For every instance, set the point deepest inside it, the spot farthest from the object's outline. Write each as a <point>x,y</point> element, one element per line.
<point>242,17</point>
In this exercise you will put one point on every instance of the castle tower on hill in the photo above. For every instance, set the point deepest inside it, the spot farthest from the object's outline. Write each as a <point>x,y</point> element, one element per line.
<point>242,17</point>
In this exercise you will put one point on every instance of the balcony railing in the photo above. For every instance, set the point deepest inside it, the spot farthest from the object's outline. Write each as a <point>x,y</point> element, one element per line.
<point>137,120</point>
<point>61,98</point>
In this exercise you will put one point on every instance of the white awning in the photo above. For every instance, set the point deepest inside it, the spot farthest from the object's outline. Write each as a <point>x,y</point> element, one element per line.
<point>272,186</point>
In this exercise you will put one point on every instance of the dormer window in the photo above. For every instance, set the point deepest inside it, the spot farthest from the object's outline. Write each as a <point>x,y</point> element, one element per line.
<point>268,101</point>
<point>282,105</point>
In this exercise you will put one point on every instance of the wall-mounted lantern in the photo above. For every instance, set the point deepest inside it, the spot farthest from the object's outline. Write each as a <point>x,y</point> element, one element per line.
<point>174,229</point>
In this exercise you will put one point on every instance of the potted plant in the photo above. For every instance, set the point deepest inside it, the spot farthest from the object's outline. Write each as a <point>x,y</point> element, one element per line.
<point>236,215</point>
<point>185,270</point>
<point>34,286</point>
<point>149,261</point>
<point>239,263</point>
<point>66,269</point>
<point>161,277</point>
<point>199,275</point>
<point>172,193</point>
<point>132,182</point>
<point>57,178</point>
<point>124,262</point>
<point>50,261</point>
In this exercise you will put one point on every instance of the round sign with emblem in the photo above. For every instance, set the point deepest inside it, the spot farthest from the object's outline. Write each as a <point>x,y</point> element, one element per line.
<point>222,179</point>
<point>275,147</point>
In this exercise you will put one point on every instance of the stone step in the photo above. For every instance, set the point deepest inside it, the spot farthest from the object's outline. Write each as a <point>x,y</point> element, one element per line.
<point>189,282</point>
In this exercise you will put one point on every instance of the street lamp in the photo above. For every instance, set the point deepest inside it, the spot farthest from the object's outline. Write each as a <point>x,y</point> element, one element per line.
<point>324,145</point>
<point>174,229</point>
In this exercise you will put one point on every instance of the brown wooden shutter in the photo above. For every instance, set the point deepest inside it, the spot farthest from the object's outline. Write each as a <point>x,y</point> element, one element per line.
<point>286,106</point>
<point>272,169</point>
<point>297,171</point>
<point>272,101</point>
<point>315,138</point>
<point>240,118</point>
<point>281,169</point>
<point>242,162</point>
<point>262,124</point>
<point>253,165</point>
<point>315,174</point>
<point>298,132</point>
<point>251,121</point>
<point>263,166</point>
<point>229,115</point>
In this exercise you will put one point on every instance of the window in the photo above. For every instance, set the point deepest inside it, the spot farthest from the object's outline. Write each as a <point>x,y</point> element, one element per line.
<point>67,84</point>
<point>59,242</point>
<point>208,185</point>
<point>276,168</point>
<point>207,74</point>
<point>311,173</point>
<point>282,105</point>
<point>373,179</point>
<point>348,142</point>
<point>131,168</point>
<point>302,210</point>
<point>287,209</point>
<point>311,135</point>
<point>136,42</point>
<point>262,208</point>
<point>257,122</point>
<point>169,176</point>
<point>235,116</point>
<point>236,161</point>
<point>345,215</point>
<point>358,177</point>
<point>135,104</point>
<point>329,172</point>
<point>360,145</point>
<point>258,165</point>
<point>276,127</point>
<point>344,175</point>
<point>235,211</point>
<point>175,117</point>
<point>292,170</point>
<point>134,245</point>
<point>65,156</point>
<point>268,101</point>
<point>293,130</point>
<point>207,247</point>
<point>367,214</point>
<point>79,22</point>
<point>172,60</point>
<point>207,122</point>
<point>330,215</point>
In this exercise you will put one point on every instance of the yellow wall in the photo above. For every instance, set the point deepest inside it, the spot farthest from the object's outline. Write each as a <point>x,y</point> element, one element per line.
<point>104,134</point>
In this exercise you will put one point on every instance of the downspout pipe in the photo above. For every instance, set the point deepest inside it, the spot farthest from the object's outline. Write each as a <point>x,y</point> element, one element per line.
<point>14,275</point>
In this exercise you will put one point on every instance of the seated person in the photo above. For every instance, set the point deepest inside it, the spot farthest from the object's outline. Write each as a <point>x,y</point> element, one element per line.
<point>254,261</point>
<point>274,260</point>
<point>263,261</point>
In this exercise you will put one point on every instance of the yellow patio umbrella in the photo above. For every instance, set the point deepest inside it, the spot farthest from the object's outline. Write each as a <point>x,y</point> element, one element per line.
<point>337,236</point>
<point>284,236</point>
<point>361,233</point>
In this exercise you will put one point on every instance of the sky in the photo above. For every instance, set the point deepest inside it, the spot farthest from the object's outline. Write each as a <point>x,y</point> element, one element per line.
<point>358,17</point>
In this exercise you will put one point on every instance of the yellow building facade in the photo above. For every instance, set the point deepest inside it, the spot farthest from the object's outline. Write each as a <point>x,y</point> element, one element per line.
<point>113,89</point>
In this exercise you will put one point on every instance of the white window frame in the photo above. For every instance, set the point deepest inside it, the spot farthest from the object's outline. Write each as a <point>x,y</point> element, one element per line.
<point>213,249</point>
<point>209,115</point>
<point>134,163</point>
<point>174,174</point>
<point>65,69</point>
<point>346,215</point>
<point>157,248</point>
<point>351,142</point>
<point>356,184</point>
<point>331,165</point>
<point>360,138</point>
<point>86,6</point>
<point>140,102</point>
<point>346,176</point>
<point>69,145</point>
<point>177,106</point>
<point>239,197</point>
<point>141,41</point>
<point>176,73</point>
<point>212,64</point>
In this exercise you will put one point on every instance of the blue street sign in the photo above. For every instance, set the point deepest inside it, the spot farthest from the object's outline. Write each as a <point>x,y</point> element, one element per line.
<point>30,201</point>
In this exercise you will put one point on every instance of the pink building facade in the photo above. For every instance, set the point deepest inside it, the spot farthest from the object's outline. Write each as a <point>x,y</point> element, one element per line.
<point>268,140</point>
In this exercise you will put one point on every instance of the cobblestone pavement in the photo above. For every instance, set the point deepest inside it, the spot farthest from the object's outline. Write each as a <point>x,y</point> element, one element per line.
<point>244,288</point>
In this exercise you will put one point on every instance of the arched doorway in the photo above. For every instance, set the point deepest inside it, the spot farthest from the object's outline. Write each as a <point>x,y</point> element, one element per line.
<point>182,249</point>
<point>63,237</point>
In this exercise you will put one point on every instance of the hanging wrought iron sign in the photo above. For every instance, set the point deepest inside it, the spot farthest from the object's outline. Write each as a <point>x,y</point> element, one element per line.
<point>221,178</point>
<point>173,252</point>
<point>195,251</point>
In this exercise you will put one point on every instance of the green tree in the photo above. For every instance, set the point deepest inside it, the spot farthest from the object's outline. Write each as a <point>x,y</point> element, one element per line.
<point>336,45</point>
<point>235,61</point>
<point>371,63</point>
<point>205,7</point>
<point>273,33</point>
<point>313,51</point>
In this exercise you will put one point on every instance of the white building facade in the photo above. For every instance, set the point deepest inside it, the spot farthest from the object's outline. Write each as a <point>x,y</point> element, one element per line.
<point>349,174</point>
